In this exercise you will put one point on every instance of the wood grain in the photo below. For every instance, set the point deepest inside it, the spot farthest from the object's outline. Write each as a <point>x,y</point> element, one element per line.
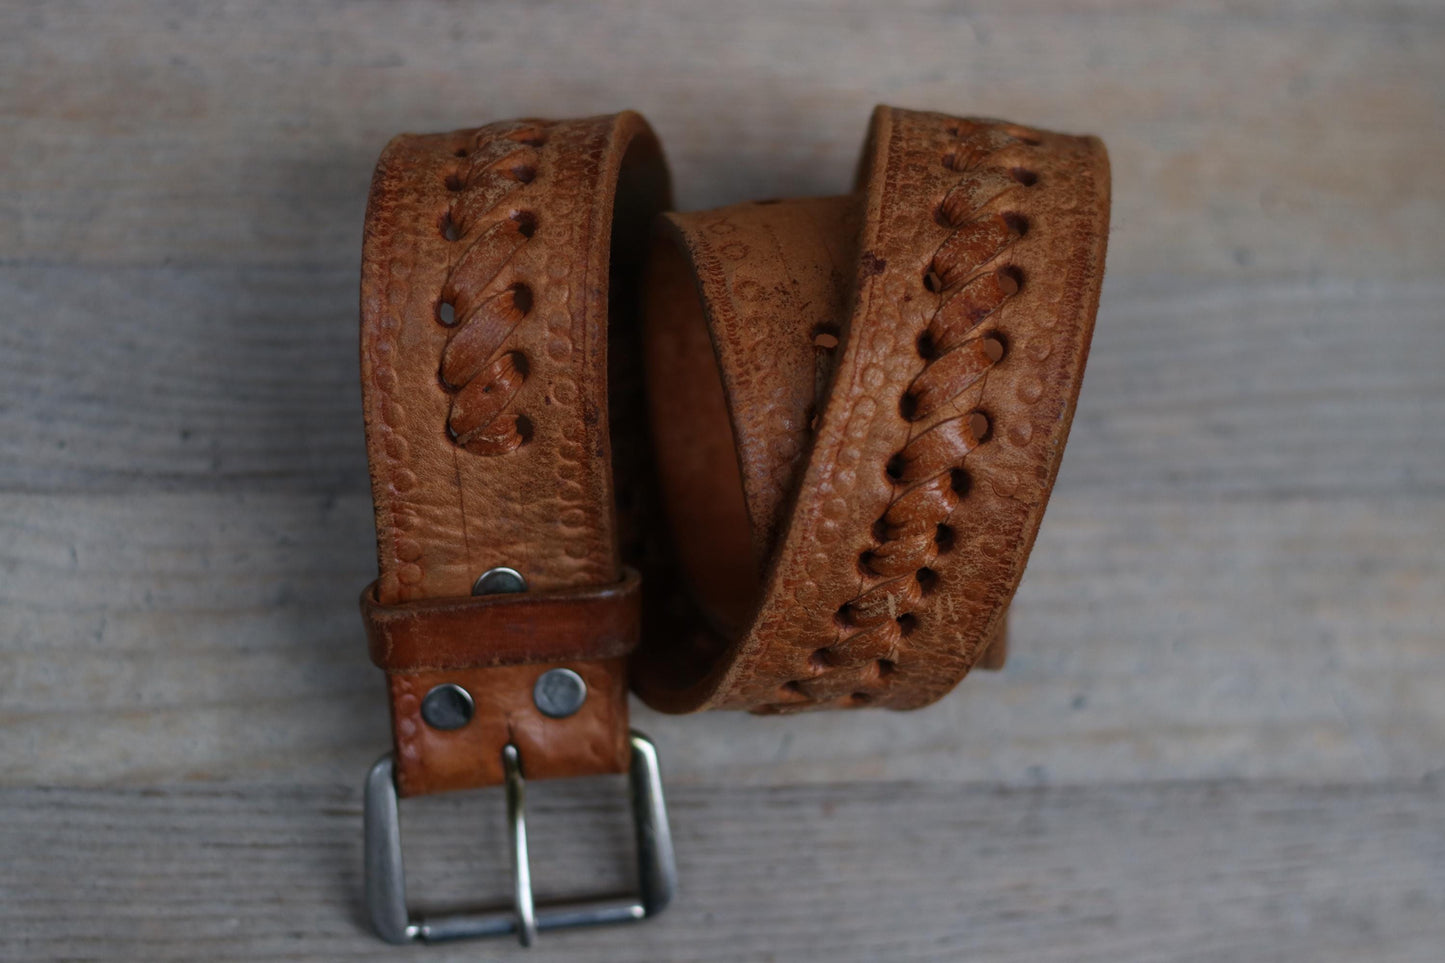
<point>1220,733</point>
<point>245,380</point>
<point>894,871</point>
<point>184,636</point>
<point>1247,139</point>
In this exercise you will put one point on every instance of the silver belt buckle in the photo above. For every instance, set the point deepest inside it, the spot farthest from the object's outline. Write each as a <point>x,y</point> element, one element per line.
<point>386,877</point>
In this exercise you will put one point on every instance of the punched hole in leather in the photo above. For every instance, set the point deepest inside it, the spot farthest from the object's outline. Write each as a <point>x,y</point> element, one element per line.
<point>824,431</point>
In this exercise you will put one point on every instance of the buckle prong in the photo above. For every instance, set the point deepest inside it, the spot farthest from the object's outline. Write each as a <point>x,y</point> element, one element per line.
<point>522,900</point>
<point>386,876</point>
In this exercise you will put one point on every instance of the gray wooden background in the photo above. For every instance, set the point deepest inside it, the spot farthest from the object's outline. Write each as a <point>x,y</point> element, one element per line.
<point>1222,732</point>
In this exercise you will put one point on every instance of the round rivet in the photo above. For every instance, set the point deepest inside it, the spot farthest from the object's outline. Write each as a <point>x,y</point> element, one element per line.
<point>559,693</point>
<point>499,581</point>
<point>447,706</point>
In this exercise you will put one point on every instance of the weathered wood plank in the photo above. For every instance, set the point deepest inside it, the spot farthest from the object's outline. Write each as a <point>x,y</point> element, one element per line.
<point>182,636</point>
<point>1247,139</point>
<point>1240,577</point>
<point>897,871</point>
<point>1283,389</point>
<point>137,379</point>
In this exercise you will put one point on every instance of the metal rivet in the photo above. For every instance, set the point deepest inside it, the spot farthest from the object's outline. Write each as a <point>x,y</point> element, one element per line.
<point>499,581</point>
<point>559,693</point>
<point>447,706</point>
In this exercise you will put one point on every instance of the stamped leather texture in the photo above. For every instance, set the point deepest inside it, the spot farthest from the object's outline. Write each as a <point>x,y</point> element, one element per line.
<point>893,510</point>
<point>854,411</point>
<point>486,279</point>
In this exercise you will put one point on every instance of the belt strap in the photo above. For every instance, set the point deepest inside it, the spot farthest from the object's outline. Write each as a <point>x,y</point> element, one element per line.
<point>858,406</point>
<point>854,411</point>
<point>492,261</point>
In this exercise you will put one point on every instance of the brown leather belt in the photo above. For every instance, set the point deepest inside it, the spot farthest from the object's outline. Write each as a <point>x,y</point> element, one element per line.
<point>824,431</point>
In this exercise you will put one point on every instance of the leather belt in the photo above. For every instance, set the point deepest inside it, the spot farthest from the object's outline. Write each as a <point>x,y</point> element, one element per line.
<point>823,431</point>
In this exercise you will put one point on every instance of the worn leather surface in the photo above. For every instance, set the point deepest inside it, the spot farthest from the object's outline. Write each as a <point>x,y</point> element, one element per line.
<point>488,268</point>
<point>897,371</point>
<point>854,411</point>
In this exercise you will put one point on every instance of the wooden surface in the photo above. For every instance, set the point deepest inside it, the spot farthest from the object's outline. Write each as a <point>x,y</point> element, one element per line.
<point>1221,733</point>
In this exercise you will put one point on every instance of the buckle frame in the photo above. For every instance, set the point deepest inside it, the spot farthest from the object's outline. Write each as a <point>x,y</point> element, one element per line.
<point>386,876</point>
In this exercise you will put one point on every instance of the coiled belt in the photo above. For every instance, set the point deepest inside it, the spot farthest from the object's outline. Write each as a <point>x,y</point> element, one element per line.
<point>821,433</point>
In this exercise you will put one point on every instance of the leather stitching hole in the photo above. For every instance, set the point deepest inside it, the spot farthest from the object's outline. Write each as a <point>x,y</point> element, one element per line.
<point>450,230</point>
<point>944,537</point>
<point>526,222</point>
